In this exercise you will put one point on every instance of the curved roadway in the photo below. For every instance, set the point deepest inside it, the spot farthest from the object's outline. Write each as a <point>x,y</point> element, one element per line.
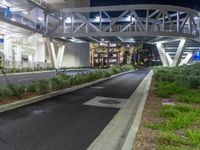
<point>63,122</point>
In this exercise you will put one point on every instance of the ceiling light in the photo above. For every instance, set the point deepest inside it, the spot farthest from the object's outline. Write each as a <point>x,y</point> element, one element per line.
<point>97,19</point>
<point>25,12</point>
<point>68,20</point>
<point>75,40</point>
<point>130,18</point>
<point>40,18</point>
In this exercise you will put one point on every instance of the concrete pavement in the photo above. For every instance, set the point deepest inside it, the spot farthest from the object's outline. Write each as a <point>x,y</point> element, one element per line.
<point>63,122</point>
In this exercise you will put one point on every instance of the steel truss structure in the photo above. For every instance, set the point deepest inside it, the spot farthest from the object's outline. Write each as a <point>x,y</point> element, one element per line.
<point>127,21</point>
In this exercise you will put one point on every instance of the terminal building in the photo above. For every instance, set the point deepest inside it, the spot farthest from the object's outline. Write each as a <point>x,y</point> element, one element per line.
<point>49,33</point>
<point>22,40</point>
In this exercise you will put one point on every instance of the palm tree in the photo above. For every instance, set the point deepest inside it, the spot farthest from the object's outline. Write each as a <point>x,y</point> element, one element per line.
<point>136,52</point>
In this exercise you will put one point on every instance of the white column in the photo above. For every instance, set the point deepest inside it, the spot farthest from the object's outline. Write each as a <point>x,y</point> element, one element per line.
<point>61,50</point>
<point>162,54</point>
<point>18,53</point>
<point>179,52</point>
<point>7,48</point>
<point>40,52</point>
<point>56,60</point>
<point>51,52</point>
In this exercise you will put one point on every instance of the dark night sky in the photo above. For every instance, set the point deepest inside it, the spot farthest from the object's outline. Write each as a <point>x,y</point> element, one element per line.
<point>195,4</point>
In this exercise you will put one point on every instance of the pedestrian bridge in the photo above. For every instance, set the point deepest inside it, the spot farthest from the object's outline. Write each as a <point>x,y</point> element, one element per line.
<point>153,24</point>
<point>129,23</point>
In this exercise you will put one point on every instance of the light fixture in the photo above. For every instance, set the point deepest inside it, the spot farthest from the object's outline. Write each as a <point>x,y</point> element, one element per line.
<point>68,20</point>
<point>129,17</point>
<point>129,40</point>
<point>25,12</point>
<point>17,9</point>
<point>97,19</point>
<point>40,18</point>
<point>75,40</point>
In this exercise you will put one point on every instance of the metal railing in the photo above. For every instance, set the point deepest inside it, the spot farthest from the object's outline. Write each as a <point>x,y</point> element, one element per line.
<point>18,18</point>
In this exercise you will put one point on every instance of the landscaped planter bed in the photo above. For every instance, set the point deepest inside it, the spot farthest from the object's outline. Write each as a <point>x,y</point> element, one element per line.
<point>12,93</point>
<point>172,127</point>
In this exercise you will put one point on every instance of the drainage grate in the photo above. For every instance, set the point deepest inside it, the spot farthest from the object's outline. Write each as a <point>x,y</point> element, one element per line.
<point>107,102</point>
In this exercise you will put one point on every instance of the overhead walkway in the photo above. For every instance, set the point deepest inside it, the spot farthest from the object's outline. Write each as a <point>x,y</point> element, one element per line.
<point>154,24</point>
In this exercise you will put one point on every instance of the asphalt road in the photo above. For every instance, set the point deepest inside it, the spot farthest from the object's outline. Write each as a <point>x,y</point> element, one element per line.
<point>23,79</point>
<point>63,122</point>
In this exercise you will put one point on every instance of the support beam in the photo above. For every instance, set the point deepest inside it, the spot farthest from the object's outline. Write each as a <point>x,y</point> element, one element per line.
<point>179,52</point>
<point>187,59</point>
<point>61,50</point>
<point>162,54</point>
<point>55,60</point>
<point>170,61</point>
<point>49,48</point>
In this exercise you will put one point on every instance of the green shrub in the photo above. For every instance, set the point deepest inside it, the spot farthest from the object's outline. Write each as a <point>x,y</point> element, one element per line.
<point>185,75</point>
<point>168,111</point>
<point>56,83</point>
<point>33,87</point>
<point>5,93</point>
<point>169,138</point>
<point>17,91</point>
<point>179,117</point>
<point>189,97</point>
<point>193,137</point>
<point>40,86</point>
<point>167,89</point>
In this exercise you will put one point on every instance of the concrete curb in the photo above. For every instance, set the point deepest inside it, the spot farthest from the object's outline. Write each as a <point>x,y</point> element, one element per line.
<point>135,121</point>
<point>37,72</point>
<point>120,133</point>
<point>24,73</point>
<point>32,100</point>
